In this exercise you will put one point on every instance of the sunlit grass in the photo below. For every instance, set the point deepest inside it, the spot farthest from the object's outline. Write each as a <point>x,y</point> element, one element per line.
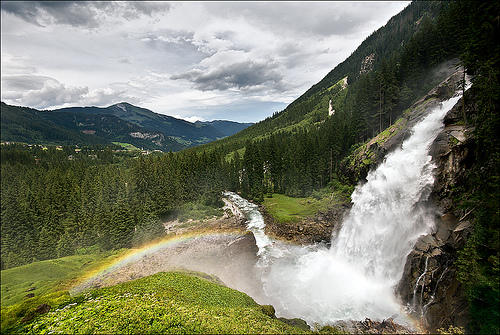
<point>287,209</point>
<point>48,276</point>
<point>173,302</point>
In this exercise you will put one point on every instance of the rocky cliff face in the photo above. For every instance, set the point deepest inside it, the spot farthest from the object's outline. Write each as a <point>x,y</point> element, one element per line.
<point>429,285</point>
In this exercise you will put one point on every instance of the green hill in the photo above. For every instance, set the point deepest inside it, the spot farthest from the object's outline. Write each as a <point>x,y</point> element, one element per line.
<point>121,122</point>
<point>172,302</point>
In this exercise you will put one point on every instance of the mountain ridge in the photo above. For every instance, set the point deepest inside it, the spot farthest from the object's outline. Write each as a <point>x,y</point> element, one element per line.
<point>121,122</point>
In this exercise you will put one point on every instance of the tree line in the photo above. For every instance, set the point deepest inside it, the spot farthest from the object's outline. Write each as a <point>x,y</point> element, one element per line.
<point>53,206</point>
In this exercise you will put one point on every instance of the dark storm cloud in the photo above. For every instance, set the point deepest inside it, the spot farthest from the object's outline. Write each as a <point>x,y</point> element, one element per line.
<point>241,75</point>
<point>78,13</point>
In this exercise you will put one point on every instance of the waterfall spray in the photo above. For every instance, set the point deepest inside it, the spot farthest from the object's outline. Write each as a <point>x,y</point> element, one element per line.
<point>355,278</point>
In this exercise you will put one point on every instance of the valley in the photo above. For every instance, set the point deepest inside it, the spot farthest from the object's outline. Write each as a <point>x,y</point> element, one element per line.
<point>368,205</point>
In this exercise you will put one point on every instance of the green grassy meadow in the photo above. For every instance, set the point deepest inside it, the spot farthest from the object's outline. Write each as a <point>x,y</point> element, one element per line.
<point>290,209</point>
<point>287,209</point>
<point>171,302</point>
<point>47,276</point>
<point>47,280</point>
<point>127,146</point>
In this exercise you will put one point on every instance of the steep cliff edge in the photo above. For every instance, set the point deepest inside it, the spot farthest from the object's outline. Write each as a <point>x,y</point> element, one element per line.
<point>430,286</point>
<point>355,167</point>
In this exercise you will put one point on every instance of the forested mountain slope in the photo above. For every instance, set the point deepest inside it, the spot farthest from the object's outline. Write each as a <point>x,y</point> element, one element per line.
<point>367,91</point>
<point>121,122</point>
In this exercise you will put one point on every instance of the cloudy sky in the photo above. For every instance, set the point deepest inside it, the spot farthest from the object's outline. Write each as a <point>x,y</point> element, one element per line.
<point>240,61</point>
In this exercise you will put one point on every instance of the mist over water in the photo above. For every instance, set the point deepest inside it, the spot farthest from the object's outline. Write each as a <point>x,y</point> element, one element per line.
<point>355,278</point>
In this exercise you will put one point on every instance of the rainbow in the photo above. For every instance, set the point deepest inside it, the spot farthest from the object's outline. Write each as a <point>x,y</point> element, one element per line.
<point>135,255</point>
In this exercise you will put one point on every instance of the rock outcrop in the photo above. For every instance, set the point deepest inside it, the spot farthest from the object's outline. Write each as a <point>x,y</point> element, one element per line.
<point>368,326</point>
<point>429,284</point>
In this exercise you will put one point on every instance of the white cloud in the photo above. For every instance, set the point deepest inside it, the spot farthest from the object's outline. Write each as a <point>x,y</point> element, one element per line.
<point>193,118</point>
<point>184,58</point>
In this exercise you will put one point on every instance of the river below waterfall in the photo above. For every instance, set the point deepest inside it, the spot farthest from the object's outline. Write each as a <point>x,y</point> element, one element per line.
<point>355,278</point>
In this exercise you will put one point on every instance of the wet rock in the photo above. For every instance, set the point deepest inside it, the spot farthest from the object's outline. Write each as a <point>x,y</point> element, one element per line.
<point>31,289</point>
<point>355,167</point>
<point>462,226</point>
<point>268,310</point>
<point>29,295</point>
<point>368,326</point>
<point>317,229</point>
<point>436,296</point>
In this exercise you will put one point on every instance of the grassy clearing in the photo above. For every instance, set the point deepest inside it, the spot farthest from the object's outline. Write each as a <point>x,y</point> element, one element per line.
<point>48,280</point>
<point>172,302</point>
<point>288,209</point>
<point>230,156</point>
<point>48,276</point>
<point>198,211</point>
<point>127,146</point>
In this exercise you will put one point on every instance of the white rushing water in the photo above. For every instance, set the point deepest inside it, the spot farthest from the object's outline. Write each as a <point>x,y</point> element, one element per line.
<point>355,278</point>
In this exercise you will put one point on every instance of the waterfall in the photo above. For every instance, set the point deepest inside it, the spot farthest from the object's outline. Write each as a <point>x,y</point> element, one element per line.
<point>355,278</point>
<point>417,282</point>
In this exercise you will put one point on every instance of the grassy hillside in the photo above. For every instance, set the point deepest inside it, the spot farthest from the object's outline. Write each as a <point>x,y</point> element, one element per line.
<point>43,277</point>
<point>26,287</point>
<point>283,208</point>
<point>22,124</point>
<point>173,302</point>
<point>287,209</point>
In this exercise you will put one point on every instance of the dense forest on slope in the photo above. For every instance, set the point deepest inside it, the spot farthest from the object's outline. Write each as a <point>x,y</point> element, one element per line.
<point>296,160</point>
<point>382,49</point>
<point>52,206</point>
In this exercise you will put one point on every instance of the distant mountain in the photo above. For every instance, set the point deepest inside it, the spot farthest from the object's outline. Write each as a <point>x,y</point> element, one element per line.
<point>226,128</point>
<point>121,122</point>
